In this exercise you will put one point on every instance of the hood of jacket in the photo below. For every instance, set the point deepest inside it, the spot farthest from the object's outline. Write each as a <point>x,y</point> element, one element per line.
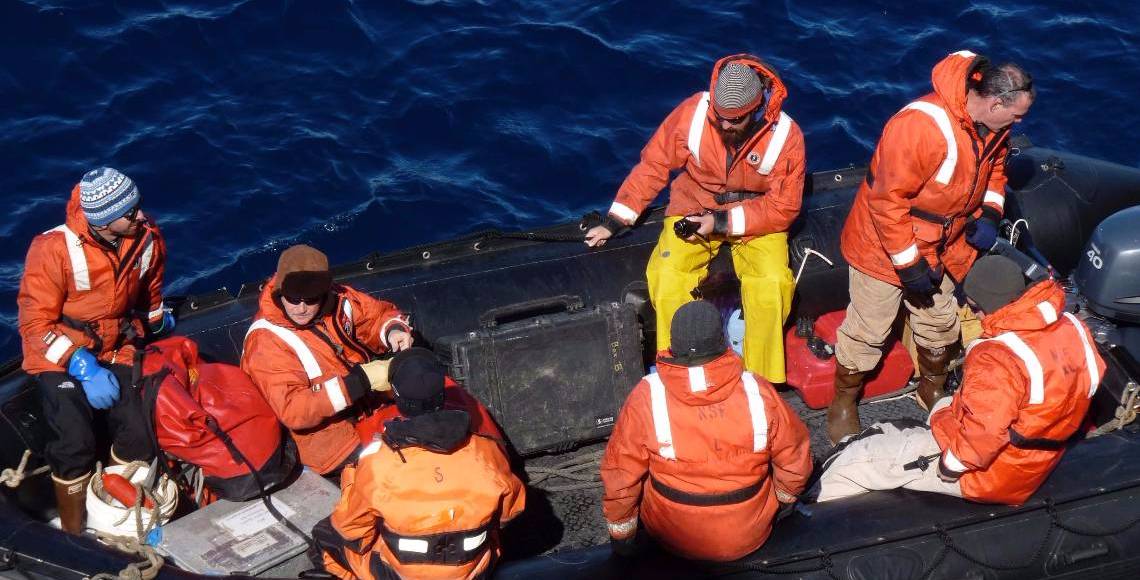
<point>704,384</point>
<point>777,92</point>
<point>439,431</point>
<point>949,80</point>
<point>1038,307</point>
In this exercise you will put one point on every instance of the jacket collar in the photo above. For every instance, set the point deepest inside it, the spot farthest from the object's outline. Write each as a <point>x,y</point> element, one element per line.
<point>1040,306</point>
<point>700,384</point>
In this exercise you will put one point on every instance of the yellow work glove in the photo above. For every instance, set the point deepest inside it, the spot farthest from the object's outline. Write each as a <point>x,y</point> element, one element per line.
<point>377,373</point>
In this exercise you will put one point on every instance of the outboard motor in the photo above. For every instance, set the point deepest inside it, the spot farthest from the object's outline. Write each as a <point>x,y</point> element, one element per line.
<point>1107,281</point>
<point>1108,275</point>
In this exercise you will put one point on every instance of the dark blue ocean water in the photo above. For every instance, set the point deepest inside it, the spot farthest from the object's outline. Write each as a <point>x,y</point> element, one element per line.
<point>373,125</point>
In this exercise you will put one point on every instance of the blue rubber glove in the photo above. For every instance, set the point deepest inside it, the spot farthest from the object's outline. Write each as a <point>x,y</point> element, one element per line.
<point>982,233</point>
<point>164,324</point>
<point>99,384</point>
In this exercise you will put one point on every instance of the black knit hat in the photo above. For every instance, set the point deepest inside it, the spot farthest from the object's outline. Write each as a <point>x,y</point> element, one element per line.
<point>417,382</point>
<point>994,282</point>
<point>697,333</point>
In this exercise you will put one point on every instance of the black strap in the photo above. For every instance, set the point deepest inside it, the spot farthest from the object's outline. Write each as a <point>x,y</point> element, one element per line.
<point>238,456</point>
<point>445,548</point>
<point>728,197</point>
<point>1041,444</point>
<point>706,499</point>
<point>922,462</point>
<point>931,217</point>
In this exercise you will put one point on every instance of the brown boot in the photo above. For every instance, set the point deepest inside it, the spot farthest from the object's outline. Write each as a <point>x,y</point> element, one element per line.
<point>71,499</point>
<point>932,368</point>
<point>843,413</point>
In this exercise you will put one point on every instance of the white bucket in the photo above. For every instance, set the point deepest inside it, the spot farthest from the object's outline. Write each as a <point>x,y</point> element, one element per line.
<point>117,519</point>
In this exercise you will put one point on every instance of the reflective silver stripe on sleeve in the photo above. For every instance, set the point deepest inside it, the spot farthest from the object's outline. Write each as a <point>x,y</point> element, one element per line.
<point>623,212</point>
<point>58,348</point>
<point>661,417</point>
<point>906,256</point>
<point>736,221</point>
<point>776,145</point>
<point>1090,355</point>
<point>994,198</point>
<point>1047,312</point>
<point>697,126</point>
<point>938,114</point>
<point>623,528</point>
<point>952,463</point>
<point>334,390</point>
<point>756,410</point>
<point>76,257</point>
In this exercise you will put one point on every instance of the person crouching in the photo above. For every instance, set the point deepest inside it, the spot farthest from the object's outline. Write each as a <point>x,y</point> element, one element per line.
<point>703,453</point>
<point>427,497</point>
<point>1026,388</point>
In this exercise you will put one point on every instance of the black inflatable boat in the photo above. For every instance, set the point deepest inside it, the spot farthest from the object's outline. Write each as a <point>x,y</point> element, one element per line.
<point>1081,524</point>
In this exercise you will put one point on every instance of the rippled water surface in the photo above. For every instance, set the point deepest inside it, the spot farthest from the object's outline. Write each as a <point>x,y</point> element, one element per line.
<point>362,126</point>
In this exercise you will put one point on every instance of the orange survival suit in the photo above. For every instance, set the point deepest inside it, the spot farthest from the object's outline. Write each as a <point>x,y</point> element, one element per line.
<point>1027,386</point>
<point>931,171</point>
<point>79,292</point>
<point>704,456</point>
<point>302,371</point>
<point>428,496</point>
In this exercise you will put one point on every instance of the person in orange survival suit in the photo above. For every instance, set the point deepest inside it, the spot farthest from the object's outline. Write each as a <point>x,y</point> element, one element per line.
<point>703,453</point>
<point>741,181</point>
<point>311,351</point>
<point>428,497</point>
<point>933,196</point>
<point>1027,386</point>
<point>90,288</point>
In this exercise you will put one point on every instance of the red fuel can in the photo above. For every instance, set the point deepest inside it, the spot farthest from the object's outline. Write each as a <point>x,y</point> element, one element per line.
<point>811,372</point>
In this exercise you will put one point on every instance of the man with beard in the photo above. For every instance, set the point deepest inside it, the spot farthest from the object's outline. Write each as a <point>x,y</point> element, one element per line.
<point>91,287</point>
<point>741,162</point>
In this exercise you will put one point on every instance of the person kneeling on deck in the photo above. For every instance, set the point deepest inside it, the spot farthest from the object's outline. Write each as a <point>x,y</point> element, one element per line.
<point>428,496</point>
<point>310,351</point>
<point>1027,385</point>
<point>741,164</point>
<point>703,453</point>
<point>931,201</point>
<point>90,288</point>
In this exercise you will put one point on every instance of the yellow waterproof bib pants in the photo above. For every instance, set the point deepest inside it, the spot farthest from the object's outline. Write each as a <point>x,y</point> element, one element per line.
<point>766,287</point>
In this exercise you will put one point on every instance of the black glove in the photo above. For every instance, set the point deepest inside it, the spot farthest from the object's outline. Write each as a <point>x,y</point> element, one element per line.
<point>626,547</point>
<point>785,510</point>
<point>919,284</point>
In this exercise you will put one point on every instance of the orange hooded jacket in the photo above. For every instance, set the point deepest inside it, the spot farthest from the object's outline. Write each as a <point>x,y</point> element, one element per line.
<point>302,376</point>
<point>71,273</point>
<point>395,503</point>
<point>1030,377</point>
<point>930,162</point>
<point>772,162</point>
<point>695,433</point>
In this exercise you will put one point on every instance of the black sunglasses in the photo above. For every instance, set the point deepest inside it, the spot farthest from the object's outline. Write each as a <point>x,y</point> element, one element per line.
<point>132,214</point>
<point>1026,87</point>
<point>306,301</point>
<point>734,120</point>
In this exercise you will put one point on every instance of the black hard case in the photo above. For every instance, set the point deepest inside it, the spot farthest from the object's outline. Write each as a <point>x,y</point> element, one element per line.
<point>552,373</point>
